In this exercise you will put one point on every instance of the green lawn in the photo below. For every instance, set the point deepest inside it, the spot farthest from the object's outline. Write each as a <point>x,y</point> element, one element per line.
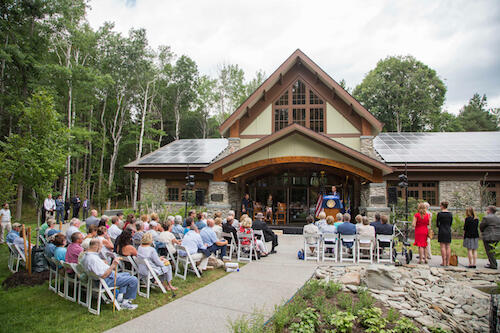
<point>36,309</point>
<point>456,246</point>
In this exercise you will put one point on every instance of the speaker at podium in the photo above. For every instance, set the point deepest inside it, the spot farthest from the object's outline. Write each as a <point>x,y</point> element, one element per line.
<point>332,205</point>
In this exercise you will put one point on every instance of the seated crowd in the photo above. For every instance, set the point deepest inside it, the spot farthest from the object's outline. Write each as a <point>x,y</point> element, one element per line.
<point>147,237</point>
<point>342,225</point>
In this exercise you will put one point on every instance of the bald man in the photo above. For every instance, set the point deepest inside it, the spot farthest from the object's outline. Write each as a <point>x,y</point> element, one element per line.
<point>92,219</point>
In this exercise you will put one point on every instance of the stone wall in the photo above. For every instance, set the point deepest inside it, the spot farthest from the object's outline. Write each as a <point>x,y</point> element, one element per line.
<point>460,194</point>
<point>367,147</point>
<point>218,198</point>
<point>233,144</point>
<point>153,188</point>
<point>374,199</point>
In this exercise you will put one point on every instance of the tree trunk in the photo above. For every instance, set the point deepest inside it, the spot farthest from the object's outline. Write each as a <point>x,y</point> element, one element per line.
<point>87,190</point>
<point>103,149</point>
<point>116,135</point>
<point>67,176</point>
<point>19,202</point>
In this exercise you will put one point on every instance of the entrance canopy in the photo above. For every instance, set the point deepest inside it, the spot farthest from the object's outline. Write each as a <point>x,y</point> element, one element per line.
<point>296,144</point>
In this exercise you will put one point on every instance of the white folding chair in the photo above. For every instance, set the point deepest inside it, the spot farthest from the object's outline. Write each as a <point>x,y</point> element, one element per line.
<point>14,258</point>
<point>332,240</point>
<point>42,239</point>
<point>344,250</point>
<point>145,280</point>
<point>62,276</point>
<point>245,248</point>
<point>187,262</point>
<point>261,234</point>
<point>82,283</point>
<point>231,245</point>
<point>70,278</point>
<point>101,288</point>
<point>53,274</point>
<point>311,241</point>
<point>380,250</point>
<point>21,257</point>
<point>133,270</point>
<point>364,244</point>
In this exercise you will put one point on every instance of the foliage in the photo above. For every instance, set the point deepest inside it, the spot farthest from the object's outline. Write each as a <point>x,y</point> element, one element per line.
<point>405,325</point>
<point>372,319</point>
<point>342,321</point>
<point>308,321</point>
<point>475,116</point>
<point>403,93</point>
<point>437,329</point>
<point>345,301</point>
<point>392,315</point>
<point>310,289</point>
<point>400,209</point>
<point>332,288</point>
<point>248,324</point>
<point>286,313</point>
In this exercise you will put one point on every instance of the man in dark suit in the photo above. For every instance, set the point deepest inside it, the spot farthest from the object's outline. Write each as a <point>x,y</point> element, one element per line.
<point>382,227</point>
<point>490,230</point>
<point>269,235</point>
<point>76,202</point>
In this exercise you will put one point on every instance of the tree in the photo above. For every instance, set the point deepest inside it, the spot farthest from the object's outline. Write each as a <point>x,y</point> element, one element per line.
<point>475,116</point>
<point>206,97</point>
<point>231,89</point>
<point>36,154</point>
<point>445,122</point>
<point>403,93</point>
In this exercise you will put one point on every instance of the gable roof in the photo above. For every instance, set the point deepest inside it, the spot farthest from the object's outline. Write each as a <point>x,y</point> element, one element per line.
<point>296,128</point>
<point>299,56</point>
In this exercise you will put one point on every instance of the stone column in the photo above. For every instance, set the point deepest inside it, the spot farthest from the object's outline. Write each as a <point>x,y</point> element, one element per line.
<point>367,147</point>
<point>218,197</point>
<point>374,198</point>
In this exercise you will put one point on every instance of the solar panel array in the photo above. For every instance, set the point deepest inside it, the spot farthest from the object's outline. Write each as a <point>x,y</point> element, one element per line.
<point>465,147</point>
<point>187,151</point>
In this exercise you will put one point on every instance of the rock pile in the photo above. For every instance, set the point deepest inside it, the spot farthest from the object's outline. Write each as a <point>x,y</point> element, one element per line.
<point>434,297</point>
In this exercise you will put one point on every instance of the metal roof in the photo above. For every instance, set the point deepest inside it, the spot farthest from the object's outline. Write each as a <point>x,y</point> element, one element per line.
<point>186,151</point>
<point>431,147</point>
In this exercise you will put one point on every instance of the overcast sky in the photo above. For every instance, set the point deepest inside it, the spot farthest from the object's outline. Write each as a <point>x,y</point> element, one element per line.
<point>459,39</point>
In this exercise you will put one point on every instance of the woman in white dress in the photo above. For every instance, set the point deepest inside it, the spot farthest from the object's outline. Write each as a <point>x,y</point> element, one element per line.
<point>160,265</point>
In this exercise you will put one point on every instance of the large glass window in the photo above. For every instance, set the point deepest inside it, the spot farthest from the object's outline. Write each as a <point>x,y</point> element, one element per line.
<point>311,112</point>
<point>422,191</point>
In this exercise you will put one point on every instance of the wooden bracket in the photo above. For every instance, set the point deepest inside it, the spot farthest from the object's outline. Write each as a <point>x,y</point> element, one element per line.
<point>247,114</point>
<point>281,79</point>
<point>333,93</point>
<point>264,95</point>
<point>317,77</point>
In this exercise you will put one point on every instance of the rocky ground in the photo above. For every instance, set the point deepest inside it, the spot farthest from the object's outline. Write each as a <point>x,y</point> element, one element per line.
<point>433,297</point>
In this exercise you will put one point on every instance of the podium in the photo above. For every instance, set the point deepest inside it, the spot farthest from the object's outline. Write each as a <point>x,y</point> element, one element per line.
<point>332,205</point>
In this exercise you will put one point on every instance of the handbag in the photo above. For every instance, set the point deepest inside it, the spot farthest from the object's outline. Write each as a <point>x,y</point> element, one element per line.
<point>431,234</point>
<point>453,259</point>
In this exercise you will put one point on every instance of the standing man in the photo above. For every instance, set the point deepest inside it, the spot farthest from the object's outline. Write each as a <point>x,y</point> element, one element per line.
<point>92,219</point>
<point>490,230</point>
<point>334,192</point>
<point>85,206</point>
<point>76,202</point>
<point>59,209</point>
<point>5,219</point>
<point>246,205</point>
<point>49,206</point>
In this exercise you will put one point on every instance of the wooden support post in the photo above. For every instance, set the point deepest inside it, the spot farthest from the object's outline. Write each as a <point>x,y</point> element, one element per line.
<point>28,259</point>
<point>23,232</point>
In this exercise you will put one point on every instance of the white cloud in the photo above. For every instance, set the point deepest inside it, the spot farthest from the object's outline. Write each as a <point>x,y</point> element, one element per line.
<point>459,39</point>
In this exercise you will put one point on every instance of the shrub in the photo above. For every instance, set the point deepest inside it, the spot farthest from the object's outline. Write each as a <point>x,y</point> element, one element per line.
<point>344,301</point>
<point>392,315</point>
<point>342,321</point>
<point>332,288</point>
<point>248,324</point>
<point>309,320</point>
<point>438,330</point>
<point>286,313</point>
<point>372,319</point>
<point>310,289</point>
<point>405,325</point>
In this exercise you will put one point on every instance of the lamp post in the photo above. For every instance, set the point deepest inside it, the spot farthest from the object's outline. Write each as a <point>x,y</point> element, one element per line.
<point>403,182</point>
<point>189,186</point>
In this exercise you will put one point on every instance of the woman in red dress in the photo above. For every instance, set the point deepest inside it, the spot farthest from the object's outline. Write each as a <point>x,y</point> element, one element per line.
<point>420,223</point>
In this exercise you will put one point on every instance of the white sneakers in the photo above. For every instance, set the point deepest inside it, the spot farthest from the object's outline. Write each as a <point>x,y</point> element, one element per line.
<point>126,304</point>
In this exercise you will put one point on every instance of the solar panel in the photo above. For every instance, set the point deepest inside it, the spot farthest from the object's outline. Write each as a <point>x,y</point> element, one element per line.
<point>451,147</point>
<point>187,151</point>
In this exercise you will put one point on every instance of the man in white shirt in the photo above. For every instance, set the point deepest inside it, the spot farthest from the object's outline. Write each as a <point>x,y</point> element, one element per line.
<point>5,220</point>
<point>197,249</point>
<point>209,237</point>
<point>126,283</point>
<point>74,226</point>
<point>114,231</point>
<point>50,206</point>
<point>231,216</point>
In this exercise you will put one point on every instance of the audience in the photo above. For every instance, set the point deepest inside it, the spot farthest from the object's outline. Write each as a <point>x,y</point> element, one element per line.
<point>104,221</point>
<point>322,221</point>
<point>202,221</point>
<point>74,226</point>
<point>125,283</point>
<point>338,219</point>
<point>75,248</point>
<point>192,215</point>
<point>51,225</point>
<point>167,237</point>
<point>60,251</point>
<point>114,231</point>
<point>246,228</point>
<point>365,230</point>
<point>92,233</point>
<point>329,227</point>
<point>218,227</point>
<point>188,222</point>
<point>490,230</point>
<point>358,219</point>
<point>107,246</point>
<point>347,228</point>
<point>14,233</point>
<point>50,247</point>
<point>231,216</point>
<point>309,230</point>
<point>269,235</point>
<point>124,245</point>
<point>230,229</point>
<point>177,228</point>
<point>160,265</point>
<point>92,219</point>
<point>194,245</point>
<point>213,243</point>
<point>471,236</point>
<point>139,226</point>
<point>377,221</point>
<point>145,221</point>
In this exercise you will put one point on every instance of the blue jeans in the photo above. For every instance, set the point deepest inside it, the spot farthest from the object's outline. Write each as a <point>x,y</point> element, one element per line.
<point>214,248</point>
<point>126,283</point>
<point>60,215</point>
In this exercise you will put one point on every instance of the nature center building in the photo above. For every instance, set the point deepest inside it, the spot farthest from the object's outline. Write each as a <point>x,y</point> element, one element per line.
<point>299,132</point>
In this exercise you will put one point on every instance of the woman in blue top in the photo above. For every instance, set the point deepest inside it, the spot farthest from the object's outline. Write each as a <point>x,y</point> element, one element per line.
<point>60,251</point>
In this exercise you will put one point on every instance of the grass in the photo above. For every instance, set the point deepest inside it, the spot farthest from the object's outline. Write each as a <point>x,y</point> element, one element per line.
<point>456,247</point>
<point>36,309</point>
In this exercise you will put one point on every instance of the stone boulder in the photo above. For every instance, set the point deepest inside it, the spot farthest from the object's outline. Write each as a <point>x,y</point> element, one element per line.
<point>380,277</point>
<point>351,278</point>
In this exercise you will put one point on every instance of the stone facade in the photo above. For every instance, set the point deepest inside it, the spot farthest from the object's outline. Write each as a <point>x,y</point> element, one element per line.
<point>374,198</point>
<point>233,144</point>
<point>218,198</point>
<point>367,147</point>
<point>460,194</point>
<point>153,189</point>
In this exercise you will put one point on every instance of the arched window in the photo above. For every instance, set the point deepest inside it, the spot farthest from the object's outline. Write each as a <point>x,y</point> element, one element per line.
<point>301,105</point>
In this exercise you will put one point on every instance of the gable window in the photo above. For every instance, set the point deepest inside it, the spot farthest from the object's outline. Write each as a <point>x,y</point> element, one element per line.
<point>299,104</point>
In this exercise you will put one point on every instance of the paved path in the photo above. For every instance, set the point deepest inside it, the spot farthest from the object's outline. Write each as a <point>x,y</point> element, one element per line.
<point>259,285</point>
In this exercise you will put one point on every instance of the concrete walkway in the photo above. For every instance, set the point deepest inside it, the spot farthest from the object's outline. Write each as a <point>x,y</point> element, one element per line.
<point>259,285</point>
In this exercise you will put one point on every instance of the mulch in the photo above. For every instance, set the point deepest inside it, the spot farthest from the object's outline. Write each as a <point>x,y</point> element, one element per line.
<point>22,278</point>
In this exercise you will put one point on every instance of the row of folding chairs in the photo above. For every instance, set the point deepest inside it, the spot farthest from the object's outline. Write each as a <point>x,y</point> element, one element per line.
<point>334,247</point>
<point>16,258</point>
